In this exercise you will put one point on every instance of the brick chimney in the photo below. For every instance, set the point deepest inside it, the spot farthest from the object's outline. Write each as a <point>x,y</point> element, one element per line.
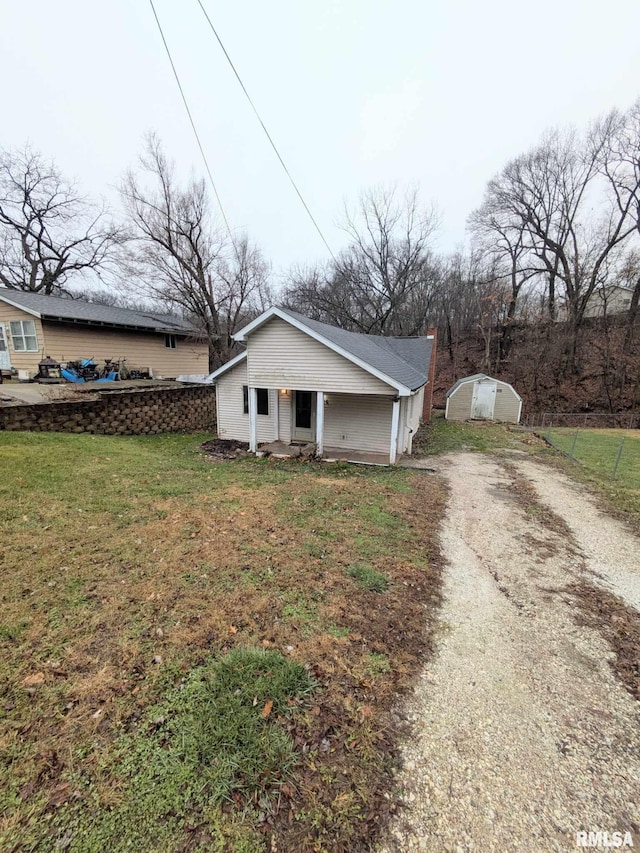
<point>428,389</point>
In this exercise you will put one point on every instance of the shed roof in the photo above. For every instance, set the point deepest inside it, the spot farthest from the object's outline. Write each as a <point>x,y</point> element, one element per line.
<point>78,311</point>
<point>402,362</point>
<point>474,378</point>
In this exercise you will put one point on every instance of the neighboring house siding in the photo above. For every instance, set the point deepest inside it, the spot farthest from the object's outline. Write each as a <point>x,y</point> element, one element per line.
<point>358,422</point>
<point>507,404</point>
<point>459,403</point>
<point>140,349</point>
<point>232,422</point>
<point>280,356</point>
<point>22,360</point>
<point>70,343</point>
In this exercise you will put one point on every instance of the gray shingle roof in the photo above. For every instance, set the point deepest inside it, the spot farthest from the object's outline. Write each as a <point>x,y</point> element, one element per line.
<point>57,308</point>
<point>406,360</point>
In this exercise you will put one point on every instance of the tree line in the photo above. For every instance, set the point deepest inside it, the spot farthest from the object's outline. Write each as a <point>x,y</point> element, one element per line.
<point>557,225</point>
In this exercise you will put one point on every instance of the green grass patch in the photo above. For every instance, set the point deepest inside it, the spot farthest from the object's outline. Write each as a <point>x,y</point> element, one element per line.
<point>215,737</point>
<point>596,451</point>
<point>369,578</point>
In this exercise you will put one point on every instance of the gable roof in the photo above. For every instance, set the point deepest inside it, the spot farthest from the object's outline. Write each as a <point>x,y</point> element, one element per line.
<point>224,367</point>
<point>402,363</point>
<point>92,313</point>
<point>474,378</point>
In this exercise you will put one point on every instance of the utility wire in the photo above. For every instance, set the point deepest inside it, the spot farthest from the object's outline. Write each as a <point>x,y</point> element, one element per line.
<point>193,125</point>
<point>268,135</point>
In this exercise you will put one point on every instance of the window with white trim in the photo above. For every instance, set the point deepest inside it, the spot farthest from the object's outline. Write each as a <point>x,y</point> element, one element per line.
<point>262,402</point>
<point>23,335</point>
<point>170,341</point>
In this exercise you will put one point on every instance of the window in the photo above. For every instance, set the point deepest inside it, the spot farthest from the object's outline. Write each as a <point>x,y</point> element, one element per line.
<point>170,341</point>
<point>263,400</point>
<point>23,335</point>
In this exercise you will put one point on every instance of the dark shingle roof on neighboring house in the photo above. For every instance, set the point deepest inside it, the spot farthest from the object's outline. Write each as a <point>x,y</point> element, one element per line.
<point>77,311</point>
<point>406,360</point>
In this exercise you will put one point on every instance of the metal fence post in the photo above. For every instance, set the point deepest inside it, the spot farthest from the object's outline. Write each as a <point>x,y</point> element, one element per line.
<point>615,467</point>
<point>573,446</point>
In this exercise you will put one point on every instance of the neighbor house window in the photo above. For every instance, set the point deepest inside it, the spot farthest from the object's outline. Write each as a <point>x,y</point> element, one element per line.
<point>170,341</point>
<point>263,400</point>
<point>23,335</point>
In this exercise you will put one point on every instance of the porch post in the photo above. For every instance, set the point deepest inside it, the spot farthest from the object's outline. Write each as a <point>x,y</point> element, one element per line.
<point>253,420</point>
<point>320,423</point>
<point>395,421</point>
<point>276,416</point>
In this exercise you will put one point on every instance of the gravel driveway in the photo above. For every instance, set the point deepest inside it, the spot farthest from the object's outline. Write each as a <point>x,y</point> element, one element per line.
<point>522,734</point>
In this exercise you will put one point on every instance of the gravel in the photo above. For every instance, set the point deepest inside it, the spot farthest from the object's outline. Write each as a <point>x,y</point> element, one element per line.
<point>522,736</point>
<point>610,550</point>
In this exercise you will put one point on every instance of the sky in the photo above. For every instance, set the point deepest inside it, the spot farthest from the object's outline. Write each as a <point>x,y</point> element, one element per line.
<point>355,93</point>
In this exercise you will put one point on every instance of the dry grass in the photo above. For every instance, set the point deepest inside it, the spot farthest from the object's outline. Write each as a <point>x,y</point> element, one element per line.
<point>129,563</point>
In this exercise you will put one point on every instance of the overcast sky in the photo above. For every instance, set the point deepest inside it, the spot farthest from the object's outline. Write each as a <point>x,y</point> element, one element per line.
<point>354,92</point>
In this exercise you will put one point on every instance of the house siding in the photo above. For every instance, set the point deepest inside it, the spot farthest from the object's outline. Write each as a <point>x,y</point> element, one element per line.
<point>280,356</point>
<point>353,421</point>
<point>507,404</point>
<point>72,342</point>
<point>459,403</point>
<point>411,422</point>
<point>22,360</point>
<point>232,421</point>
<point>140,349</point>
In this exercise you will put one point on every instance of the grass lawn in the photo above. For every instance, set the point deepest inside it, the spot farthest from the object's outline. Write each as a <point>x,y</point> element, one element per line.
<point>596,451</point>
<point>442,436</point>
<point>200,656</point>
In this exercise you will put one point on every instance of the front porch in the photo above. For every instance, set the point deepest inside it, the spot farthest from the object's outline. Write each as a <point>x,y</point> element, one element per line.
<point>282,450</point>
<point>360,428</point>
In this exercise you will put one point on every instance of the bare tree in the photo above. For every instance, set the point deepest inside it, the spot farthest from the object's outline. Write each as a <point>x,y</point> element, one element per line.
<point>383,282</point>
<point>182,257</point>
<point>49,233</point>
<point>503,243</point>
<point>620,164</point>
<point>548,195</point>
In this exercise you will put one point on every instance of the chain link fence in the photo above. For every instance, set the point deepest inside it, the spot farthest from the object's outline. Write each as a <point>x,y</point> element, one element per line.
<point>608,448</point>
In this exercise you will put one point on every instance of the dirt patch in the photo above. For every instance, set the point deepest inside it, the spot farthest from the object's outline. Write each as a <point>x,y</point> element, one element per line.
<point>618,623</point>
<point>221,449</point>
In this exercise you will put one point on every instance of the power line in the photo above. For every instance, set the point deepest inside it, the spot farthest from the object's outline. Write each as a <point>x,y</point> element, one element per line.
<point>193,125</point>
<point>268,135</point>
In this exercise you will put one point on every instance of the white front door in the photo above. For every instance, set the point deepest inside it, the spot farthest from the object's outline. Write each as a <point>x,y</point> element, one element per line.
<point>484,400</point>
<point>304,416</point>
<point>5,360</point>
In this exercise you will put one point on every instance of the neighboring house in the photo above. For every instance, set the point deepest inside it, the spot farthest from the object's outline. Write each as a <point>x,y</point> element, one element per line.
<point>33,325</point>
<point>607,300</point>
<point>354,396</point>
<point>480,397</point>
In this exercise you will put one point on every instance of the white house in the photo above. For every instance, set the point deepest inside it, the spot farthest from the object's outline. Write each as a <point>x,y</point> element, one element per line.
<point>356,397</point>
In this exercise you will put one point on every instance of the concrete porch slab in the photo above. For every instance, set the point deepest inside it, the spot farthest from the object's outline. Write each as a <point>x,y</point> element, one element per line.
<point>358,457</point>
<point>281,450</point>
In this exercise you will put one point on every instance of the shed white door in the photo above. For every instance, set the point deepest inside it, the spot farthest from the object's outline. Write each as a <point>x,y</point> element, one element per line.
<point>5,360</point>
<point>484,400</point>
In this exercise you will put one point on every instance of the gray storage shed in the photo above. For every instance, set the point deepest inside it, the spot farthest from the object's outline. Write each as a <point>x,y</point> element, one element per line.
<point>480,397</point>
